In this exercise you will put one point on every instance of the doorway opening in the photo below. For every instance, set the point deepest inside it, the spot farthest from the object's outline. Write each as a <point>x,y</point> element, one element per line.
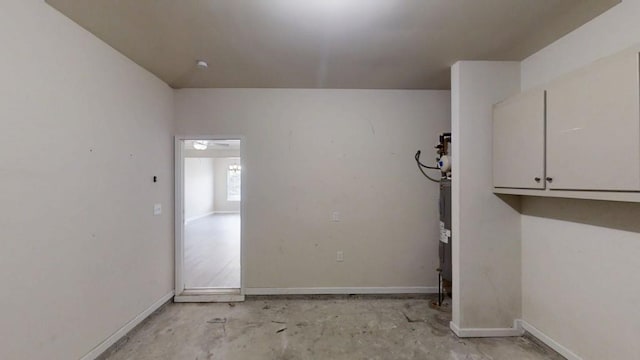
<point>209,181</point>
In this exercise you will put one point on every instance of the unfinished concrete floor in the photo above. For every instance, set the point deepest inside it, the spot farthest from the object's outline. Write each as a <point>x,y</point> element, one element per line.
<point>355,327</point>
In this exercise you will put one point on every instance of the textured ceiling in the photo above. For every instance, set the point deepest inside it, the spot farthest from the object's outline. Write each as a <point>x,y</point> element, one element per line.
<point>370,44</point>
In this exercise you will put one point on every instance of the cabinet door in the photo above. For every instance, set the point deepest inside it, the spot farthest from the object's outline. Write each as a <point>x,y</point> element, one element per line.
<point>518,141</point>
<point>593,127</point>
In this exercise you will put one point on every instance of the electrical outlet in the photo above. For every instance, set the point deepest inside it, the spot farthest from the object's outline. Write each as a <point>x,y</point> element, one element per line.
<point>157,209</point>
<point>340,256</point>
<point>335,216</point>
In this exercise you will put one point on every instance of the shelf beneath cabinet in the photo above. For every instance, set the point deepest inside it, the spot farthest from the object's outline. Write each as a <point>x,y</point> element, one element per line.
<point>590,195</point>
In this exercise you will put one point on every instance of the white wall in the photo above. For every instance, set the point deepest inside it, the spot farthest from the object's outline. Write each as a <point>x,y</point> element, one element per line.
<point>84,130</point>
<point>485,227</point>
<point>199,183</point>
<point>615,30</point>
<point>580,258</point>
<point>580,274</point>
<point>346,150</point>
<point>221,203</point>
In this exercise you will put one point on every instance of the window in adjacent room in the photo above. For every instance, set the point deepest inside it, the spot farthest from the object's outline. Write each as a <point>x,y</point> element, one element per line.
<point>233,182</point>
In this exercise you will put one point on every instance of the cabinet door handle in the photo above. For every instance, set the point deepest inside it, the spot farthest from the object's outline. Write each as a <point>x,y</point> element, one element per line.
<point>549,179</point>
<point>537,179</point>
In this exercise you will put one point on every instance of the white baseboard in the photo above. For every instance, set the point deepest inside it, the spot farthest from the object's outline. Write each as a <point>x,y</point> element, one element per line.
<point>103,346</point>
<point>194,218</point>
<point>516,330</point>
<point>226,212</point>
<point>342,290</point>
<point>570,355</point>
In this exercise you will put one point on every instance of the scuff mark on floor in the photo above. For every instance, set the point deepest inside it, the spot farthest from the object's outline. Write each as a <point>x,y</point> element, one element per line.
<point>217,321</point>
<point>410,320</point>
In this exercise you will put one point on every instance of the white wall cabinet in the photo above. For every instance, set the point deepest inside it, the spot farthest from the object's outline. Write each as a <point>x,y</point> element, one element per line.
<point>518,141</point>
<point>584,137</point>
<point>593,127</point>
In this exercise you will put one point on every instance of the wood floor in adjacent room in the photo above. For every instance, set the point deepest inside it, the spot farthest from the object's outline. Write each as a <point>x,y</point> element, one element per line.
<point>212,252</point>
<point>323,327</point>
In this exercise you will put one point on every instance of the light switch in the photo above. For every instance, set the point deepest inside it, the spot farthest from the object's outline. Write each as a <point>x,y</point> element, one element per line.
<point>157,209</point>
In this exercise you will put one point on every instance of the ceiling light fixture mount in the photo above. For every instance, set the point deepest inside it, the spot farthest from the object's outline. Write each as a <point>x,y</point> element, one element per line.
<point>201,64</point>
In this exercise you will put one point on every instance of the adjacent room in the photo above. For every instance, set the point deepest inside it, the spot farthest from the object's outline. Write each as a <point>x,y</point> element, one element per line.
<point>320,179</point>
<point>211,197</point>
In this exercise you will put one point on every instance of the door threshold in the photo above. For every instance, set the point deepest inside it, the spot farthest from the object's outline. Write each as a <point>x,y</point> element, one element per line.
<point>209,295</point>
